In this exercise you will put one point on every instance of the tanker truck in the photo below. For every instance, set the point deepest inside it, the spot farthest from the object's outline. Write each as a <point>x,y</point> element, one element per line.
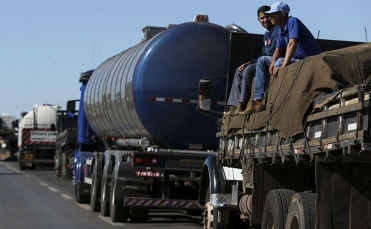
<point>36,136</point>
<point>303,162</point>
<point>141,141</point>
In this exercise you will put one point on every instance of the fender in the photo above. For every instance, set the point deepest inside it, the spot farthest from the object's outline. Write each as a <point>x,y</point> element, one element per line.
<point>107,172</point>
<point>128,184</point>
<point>220,189</point>
<point>80,160</point>
<point>98,162</point>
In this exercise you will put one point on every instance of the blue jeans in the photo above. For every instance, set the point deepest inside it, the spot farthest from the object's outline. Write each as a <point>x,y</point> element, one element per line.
<point>262,71</point>
<point>241,86</point>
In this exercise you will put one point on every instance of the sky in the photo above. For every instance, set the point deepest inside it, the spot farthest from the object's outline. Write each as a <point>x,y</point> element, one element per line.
<point>46,44</point>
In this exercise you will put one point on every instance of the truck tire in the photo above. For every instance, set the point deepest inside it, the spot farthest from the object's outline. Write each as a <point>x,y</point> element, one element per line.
<point>95,192</point>
<point>58,162</point>
<point>21,166</point>
<point>208,215</point>
<point>66,172</point>
<point>139,215</point>
<point>118,213</point>
<point>276,208</point>
<point>80,198</point>
<point>302,211</point>
<point>105,191</point>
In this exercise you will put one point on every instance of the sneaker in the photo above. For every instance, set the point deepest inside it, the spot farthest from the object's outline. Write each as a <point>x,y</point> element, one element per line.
<point>255,106</point>
<point>231,111</point>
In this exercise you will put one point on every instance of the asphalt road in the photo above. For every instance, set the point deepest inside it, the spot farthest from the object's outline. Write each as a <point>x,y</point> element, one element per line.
<point>39,199</point>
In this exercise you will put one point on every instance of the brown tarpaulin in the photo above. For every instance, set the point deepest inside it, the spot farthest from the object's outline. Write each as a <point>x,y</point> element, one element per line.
<point>291,94</point>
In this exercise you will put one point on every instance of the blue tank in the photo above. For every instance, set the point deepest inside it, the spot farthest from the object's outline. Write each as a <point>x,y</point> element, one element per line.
<point>151,89</point>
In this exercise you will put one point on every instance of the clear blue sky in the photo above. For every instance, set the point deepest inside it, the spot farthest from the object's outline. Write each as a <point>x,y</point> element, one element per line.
<point>46,44</point>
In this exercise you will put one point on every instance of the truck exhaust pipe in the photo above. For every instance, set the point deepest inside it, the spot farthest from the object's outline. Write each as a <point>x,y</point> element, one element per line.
<point>136,143</point>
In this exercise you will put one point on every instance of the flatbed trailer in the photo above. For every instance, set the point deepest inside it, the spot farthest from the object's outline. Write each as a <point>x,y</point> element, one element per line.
<point>319,178</point>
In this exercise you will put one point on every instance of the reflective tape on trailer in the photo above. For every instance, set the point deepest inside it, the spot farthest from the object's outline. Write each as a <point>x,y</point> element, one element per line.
<point>160,203</point>
<point>171,100</point>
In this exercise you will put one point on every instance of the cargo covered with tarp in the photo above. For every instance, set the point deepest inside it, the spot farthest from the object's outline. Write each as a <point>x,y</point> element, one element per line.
<point>290,95</point>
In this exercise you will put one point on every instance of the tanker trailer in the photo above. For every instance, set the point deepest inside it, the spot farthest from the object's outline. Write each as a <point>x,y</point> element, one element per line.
<point>36,136</point>
<point>141,105</point>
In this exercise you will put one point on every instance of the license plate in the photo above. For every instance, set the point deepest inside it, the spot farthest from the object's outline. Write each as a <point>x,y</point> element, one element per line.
<point>28,156</point>
<point>148,173</point>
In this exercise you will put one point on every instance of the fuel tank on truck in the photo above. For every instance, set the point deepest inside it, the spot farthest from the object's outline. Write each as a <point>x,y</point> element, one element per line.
<point>151,89</point>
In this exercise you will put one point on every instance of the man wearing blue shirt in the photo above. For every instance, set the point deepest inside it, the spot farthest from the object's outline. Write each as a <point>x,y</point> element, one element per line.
<point>293,36</point>
<point>241,87</point>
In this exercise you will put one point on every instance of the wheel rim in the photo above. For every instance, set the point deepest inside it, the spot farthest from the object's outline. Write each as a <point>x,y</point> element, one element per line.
<point>270,221</point>
<point>208,216</point>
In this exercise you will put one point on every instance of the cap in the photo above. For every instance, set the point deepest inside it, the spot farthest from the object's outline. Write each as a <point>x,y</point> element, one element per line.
<point>277,7</point>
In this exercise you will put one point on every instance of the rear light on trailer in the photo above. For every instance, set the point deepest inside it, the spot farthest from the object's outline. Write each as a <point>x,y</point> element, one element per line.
<point>154,161</point>
<point>83,169</point>
<point>146,161</point>
<point>138,160</point>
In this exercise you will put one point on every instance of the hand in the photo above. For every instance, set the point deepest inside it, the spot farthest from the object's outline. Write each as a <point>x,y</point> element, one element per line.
<point>275,71</point>
<point>243,66</point>
<point>271,68</point>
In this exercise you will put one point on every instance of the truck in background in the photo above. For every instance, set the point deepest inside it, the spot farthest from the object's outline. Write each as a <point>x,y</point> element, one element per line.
<point>139,111</point>
<point>66,139</point>
<point>319,178</point>
<point>36,136</point>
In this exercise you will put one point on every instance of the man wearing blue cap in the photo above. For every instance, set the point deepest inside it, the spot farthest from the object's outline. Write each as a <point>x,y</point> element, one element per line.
<point>242,81</point>
<point>293,36</point>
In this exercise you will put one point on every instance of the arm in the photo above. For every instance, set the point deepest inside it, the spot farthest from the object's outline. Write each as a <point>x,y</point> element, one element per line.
<point>243,66</point>
<point>290,51</point>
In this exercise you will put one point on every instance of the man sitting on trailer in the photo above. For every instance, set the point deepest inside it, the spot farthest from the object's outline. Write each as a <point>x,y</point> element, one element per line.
<point>293,36</point>
<point>241,87</point>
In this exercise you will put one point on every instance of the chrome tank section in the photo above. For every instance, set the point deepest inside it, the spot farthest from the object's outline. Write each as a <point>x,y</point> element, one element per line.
<point>150,89</point>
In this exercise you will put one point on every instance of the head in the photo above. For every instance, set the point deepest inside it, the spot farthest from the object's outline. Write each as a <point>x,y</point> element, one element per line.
<point>263,18</point>
<point>278,13</point>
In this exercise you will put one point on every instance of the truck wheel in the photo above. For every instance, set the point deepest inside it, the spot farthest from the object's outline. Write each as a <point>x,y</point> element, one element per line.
<point>66,172</point>
<point>118,213</point>
<point>95,192</point>
<point>302,211</point>
<point>139,215</point>
<point>275,208</point>
<point>58,162</point>
<point>104,205</point>
<point>21,166</point>
<point>81,199</point>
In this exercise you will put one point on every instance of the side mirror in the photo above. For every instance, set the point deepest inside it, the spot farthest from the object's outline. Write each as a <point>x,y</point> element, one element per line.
<point>204,94</point>
<point>211,96</point>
